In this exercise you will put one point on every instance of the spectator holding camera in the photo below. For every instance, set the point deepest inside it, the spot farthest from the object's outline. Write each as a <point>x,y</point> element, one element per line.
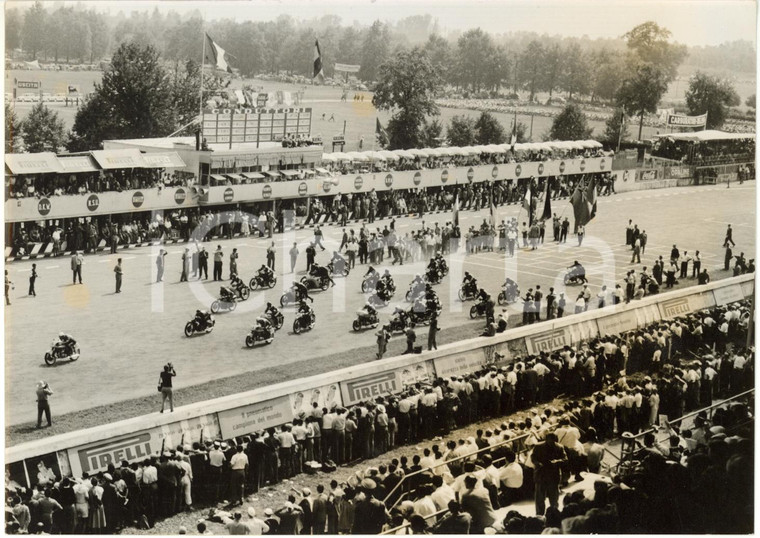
<point>165,386</point>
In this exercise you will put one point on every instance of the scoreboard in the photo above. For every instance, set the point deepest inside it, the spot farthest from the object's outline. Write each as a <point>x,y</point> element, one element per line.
<point>227,125</point>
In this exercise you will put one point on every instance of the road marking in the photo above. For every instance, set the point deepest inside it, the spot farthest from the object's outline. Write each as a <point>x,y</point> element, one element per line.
<point>53,267</point>
<point>103,261</point>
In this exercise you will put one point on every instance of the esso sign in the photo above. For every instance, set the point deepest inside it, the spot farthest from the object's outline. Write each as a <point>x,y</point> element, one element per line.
<point>470,174</point>
<point>562,167</point>
<point>358,182</point>
<point>444,176</point>
<point>417,178</point>
<point>179,196</point>
<point>540,168</point>
<point>229,194</point>
<point>602,164</point>
<point>495,172</point>
<point>138,199</point>
<point>518,170</point>
<point>583,165</point>
<point>326,186</point>
<point>93,202</point>
<point>303,188</point>
<point>266,192</point>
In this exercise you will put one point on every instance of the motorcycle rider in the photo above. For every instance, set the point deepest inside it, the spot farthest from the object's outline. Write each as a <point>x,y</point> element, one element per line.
<point>510,289</point>
<point>237,284</point>
<point>226,295</point>
<point>469,284</point>
<point>368,311</point>
<point>305,310</point>
<point>66,343</point>
<point>264,326</point>
<point>338,262</point>
<point>321,273</point>
<point>578,271</point>
<point>440,263</point>
<point>265,274</point>
<point>401,314</point>
<point>271,311</point>
<point>301,292</point>
<point>388,279</point>
<point>202,319</point>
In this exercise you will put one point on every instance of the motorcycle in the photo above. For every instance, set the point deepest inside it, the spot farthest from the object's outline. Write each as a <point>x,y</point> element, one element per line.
<point>340,270</point>
<point>398,324</point>
<point>310,282</point>
<point>508,295</point>
<point>194,326</point>
<point>572,276</point>
<point>228,304</point>
<point>414,292</point>
<point>370,282</point>
<point>478,309</point>
<point>377,300</point>
<point>304,322</point>
<point>258,334</point>
<point>59,351</point>
<point>260,282</point>
<point>423,317</point>
<point>433,276</point>
<point>466,294</point>
<point>365,320</point>
<point>276,319</point>
<point>243,292</point>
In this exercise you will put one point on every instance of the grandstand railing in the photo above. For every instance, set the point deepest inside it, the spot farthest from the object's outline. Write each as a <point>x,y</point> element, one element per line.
<point>629,444</point>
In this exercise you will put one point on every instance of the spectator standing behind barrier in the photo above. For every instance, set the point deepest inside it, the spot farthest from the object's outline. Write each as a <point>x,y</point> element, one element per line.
<point>77,260</point>
<point>165,386</point>
<point>238,468</point>
<point>32,279</point>
<point>293,257</point>
<point>547,457</point>
<point>43,404</point>
<point>203,264</point>
<point>270,256</point>
<point>160,264</point>
<point>218,257</point>
<point>233,262</point>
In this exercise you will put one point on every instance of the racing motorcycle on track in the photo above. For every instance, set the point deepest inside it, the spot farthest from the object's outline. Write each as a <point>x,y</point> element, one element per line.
<point>467,292</point>
<point>422,315</point>
<point>203,324</point>
<point>304,322</point>
<point>416,288</point>
<point>370,281</point>
<point>509,294</point>
<point>61,351</point>
<point>338,268</point>
<point>261,281</point>
<point>227,301</point>
<point>576,274</point>
<point>399,321</point>
<point>275,317</point>
<point>365,320</point>
<point>260,333</point>
<point>478,309</point>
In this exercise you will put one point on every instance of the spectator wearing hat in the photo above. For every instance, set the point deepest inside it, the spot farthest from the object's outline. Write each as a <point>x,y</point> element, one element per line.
<point>272,522</point>
<point>290,517</point>
<point>370,513</point>
<point>43,403</point>
<point>236,524</point>
<point>306,509</point>
<point>257,526</point>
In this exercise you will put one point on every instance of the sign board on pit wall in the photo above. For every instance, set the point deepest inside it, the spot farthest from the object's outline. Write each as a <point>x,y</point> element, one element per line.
<point>255,417</point>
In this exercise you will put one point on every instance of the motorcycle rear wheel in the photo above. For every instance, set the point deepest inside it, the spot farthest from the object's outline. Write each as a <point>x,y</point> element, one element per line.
<point>502,299</point>
<point>245,293</point>
<point>273,282</point>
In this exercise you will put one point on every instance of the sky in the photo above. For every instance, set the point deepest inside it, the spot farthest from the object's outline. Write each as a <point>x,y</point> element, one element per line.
<point>692,22</point>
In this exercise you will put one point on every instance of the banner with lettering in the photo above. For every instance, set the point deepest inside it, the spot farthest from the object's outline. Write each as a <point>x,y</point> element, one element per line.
<point>673,308</point>
<point>95,457</point>
<point>347,68</point>
<point>681,120</point>
<point>255,417</point>
<point>369,387</point>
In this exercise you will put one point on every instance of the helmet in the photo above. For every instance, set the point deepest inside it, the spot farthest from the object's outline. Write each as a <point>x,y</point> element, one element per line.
<point>269,305</point>
<point>61,334</point>
<point>576,262</point>
<point>466,273</point>
<point>387,272</point>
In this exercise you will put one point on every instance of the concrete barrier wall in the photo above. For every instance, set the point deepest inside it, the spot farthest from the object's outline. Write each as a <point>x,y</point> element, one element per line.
<point>93,449</point>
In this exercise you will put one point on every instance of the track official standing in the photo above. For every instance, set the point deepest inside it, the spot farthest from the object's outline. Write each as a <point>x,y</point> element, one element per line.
<point>43,404</point>
<point>165,386</point>
<point>203,264</point>
<point>118,272</point>
<point>32,279</point>
<point>270,256</point>
<point>293,257</point>
<point>432,332</point>
<point>76,266</point>
<point>185,263</point>
<point>160,264</point>
<point>233,262</point>
<point>8,285</point>
<point>696,265</point>
<point>218,257</point>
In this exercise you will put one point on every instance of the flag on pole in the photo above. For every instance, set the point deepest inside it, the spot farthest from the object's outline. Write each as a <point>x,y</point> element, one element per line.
<point>580,207</point>
<point>591,199</point>
<point>216,56</point>
<point>528,204</point>
<point>318,70</point>
<point>456,210</point>
<point>380,134</point>
<point>513,138</point>
<point>547,214</point>
<point>493,208</point>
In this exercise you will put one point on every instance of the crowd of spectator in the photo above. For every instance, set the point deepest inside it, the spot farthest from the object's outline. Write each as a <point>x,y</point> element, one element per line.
<point>48,185</point>
<point>705,153</point>
<point>607,386</point>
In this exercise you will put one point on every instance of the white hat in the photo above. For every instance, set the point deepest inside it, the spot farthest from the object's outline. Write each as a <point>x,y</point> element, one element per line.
<point>251,512</point>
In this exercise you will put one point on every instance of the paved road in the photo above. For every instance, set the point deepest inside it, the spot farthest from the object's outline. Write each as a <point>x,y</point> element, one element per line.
<point>126,338</point>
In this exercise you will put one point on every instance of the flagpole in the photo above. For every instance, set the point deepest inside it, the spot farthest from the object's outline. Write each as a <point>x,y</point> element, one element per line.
<point>203,62</point>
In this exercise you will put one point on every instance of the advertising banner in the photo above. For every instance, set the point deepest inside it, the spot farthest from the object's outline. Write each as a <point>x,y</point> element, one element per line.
<point>96,457</point>
<point>347,68</point>
<point>617,323</point>
<point>673,308</point>
<point>729,294</point>
<point>548,341</point>
<point>585,330</point>
<point>680,120</point>
<point>302,402</point>
<point>256,416</point>
<point>369,387</point>
<point>647,314</point>
<point>460,363</point>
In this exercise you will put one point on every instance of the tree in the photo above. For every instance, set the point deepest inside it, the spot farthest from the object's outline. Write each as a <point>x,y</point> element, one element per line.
<point>135,99</point>
<point>439,52</point>
<point>488,130</point>
<point>461,131</point>
<point>710,95</point>
<point>576,76</point>
<point>650,43</point>
<point>521,133</point>
<point>474,51</point>
<point>407,85</point>
<point>530,63</point>
<point>34,34</point>
<point>615,130</point>
<point>751,101</point>
<point>570,124</point>
<point>42,130</point>
<point>605,74</point>
<point>641,91</point>
<point>432,133</point>
<point>375,50</point>
<point>551,69</point>
<point>12,131</point>
<point>13,25</point>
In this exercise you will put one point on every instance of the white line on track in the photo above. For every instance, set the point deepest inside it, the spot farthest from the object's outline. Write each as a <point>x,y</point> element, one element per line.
<point>53,267</point>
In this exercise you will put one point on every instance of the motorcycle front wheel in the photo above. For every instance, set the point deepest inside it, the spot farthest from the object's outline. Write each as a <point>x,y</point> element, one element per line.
<point>272,282</point>
<point>297,327</point>
<point>502,299</point>
<point>49,359</point>
<point>189,329</point>
<point>74,356</point>
<point>357,326</point>
<point>249,341</point>
<point>279,321</point>
<point>252,283</point>
<point>215,307</point>
<point>474,312</point>
<point>462,295</point>
<point>245,293</point>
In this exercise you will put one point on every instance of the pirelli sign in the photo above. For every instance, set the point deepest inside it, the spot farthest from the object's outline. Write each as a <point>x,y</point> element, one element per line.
<point>370,387</point>
<point>548,341</point>
<point>682,306</point>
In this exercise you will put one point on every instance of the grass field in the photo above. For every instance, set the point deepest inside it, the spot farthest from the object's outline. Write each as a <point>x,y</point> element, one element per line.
<point>359,116</point>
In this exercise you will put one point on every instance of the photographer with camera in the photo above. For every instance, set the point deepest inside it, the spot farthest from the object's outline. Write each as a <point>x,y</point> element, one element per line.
<point>165,386</point>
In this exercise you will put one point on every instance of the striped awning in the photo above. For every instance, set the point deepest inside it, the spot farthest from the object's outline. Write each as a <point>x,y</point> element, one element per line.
<point>32,163</point>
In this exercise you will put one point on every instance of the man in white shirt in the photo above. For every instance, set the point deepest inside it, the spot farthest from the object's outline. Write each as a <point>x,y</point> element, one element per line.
<point>238,469</point>
<point>511,478</point>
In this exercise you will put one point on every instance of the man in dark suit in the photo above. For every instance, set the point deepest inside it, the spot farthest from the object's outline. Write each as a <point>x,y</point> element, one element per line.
<point>203,264</point>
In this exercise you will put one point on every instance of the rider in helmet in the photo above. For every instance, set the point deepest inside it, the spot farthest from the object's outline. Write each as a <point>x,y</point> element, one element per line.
<point>226,294</point>
<point>402,315</point>
<point>66,341</point>
<point>265,273</point>
<point>338,261</point>
<point>483,296</point>
<point>469,284</point>
<point>237,284</point>
<point>301,292</point>
<point>202,318</point>
<point>368,310</point>
<point>271,310</point>
<point>577,270</point>
<point>304,309</point>
<point>264,325</point>
<point>321,273</point>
